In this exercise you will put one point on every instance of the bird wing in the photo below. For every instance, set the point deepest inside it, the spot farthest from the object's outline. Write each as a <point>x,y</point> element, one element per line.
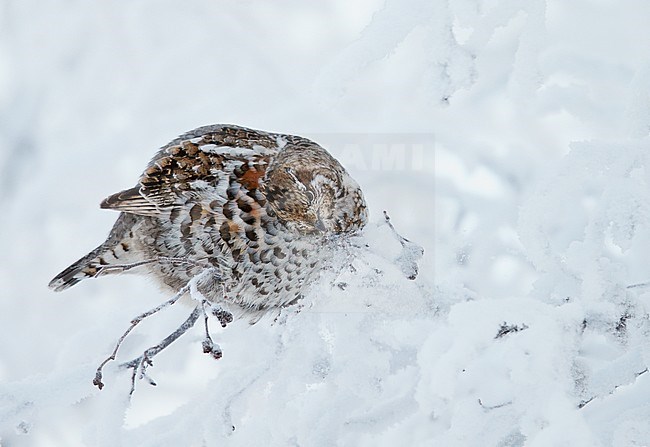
<point>137,201</point>
<point>131,201</point>
<point>198,165</point>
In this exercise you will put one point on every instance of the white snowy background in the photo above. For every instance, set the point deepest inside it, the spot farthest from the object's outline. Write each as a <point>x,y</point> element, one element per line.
<point>537,115</point>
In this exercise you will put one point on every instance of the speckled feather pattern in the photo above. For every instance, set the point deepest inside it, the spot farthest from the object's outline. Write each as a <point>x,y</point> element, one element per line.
<point>260,207</point>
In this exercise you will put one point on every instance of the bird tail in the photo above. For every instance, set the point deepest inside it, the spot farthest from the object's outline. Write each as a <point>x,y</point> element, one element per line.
<point>87,267</point>
<point>105,259</point>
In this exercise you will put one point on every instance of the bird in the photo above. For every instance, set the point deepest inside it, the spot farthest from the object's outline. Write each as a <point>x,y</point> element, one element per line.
<point>256,208</point>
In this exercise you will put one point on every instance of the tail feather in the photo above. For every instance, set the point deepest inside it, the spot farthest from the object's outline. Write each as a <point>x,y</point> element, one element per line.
<point>116,250</point>
<point>86,267</point>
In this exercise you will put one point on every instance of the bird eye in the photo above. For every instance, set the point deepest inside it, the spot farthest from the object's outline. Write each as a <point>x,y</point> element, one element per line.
<point>311,196</point>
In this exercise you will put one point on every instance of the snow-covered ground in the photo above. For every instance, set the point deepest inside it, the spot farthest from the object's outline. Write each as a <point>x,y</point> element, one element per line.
<point>521,329</point>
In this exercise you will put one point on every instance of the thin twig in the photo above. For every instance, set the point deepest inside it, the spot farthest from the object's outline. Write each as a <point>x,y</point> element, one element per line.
<point>142,362</point>
<point>97,381</point>
<point>402,240</point>
<point>493,407</point>
<point>209,346</point>
<point>585,402</point>
<point>410,254</point>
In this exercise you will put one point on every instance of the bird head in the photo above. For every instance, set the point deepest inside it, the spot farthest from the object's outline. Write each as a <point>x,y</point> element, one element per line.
<point>309,191</point>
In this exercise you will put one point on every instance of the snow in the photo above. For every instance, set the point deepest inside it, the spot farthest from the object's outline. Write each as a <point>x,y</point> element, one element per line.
<point>532,116</point>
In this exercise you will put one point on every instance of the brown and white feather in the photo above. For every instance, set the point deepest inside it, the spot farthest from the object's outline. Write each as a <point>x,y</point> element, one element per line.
<point>259,206</point>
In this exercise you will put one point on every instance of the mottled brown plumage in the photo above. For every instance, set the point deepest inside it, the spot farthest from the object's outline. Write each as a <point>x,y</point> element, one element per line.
<point>259,207</point>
